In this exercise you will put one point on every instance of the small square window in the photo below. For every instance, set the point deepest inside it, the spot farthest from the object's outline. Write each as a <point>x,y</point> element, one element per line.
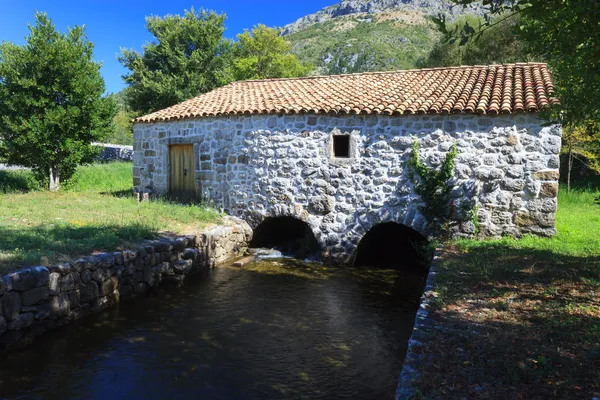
<point>341,146</point>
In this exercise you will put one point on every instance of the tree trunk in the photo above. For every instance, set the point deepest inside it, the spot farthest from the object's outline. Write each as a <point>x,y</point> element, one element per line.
<point>54,183</point>
<point>569,168</point>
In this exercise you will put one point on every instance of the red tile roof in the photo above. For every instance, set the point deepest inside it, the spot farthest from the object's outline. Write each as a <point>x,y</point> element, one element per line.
<point>473,89</point>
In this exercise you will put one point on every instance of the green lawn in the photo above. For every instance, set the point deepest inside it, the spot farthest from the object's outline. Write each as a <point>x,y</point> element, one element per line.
<point>95,211</point>
<point>520,318</point>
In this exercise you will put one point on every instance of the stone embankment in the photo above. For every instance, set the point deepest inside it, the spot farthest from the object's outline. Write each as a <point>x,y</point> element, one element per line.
<point>114,152</point>
<point>34,300</point>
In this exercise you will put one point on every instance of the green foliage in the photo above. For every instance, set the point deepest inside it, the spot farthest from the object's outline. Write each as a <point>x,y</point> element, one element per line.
<point>351,44</point>
<point>497,45</point>
<point>581,144</point>
<point>563,32</point>
<point>122,132</point>
<point>262,53</point>
<point>51,104</point>
<point>18,181</point>
<point>187,57</point>
<point>432,186</point>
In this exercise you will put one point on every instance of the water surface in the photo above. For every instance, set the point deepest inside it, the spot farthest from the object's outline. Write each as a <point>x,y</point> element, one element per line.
<point>277,330</point>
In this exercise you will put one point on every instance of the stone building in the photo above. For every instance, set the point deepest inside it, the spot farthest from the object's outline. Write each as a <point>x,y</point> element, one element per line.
<point>332,151</point>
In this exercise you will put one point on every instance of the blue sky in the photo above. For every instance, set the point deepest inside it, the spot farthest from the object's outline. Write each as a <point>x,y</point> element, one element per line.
<point>114,24</point>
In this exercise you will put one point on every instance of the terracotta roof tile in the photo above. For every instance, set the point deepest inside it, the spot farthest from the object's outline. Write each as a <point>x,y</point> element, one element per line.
<point>473,89</point>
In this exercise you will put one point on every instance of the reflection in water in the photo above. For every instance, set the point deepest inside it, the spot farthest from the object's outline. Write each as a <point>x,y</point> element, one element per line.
<point>278,329</point>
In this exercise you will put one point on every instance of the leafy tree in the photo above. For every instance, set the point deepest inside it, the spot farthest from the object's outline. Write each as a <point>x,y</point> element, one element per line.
<point>186,59</point>
<point>262,53</point>
<point>51,104</point>
<point>582,144</point>
<point>496,45</point>
<point>565,33</point>
<point>122,132</point>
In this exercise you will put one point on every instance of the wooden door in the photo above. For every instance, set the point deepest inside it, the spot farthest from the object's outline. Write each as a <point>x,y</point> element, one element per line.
<point>182,186</point>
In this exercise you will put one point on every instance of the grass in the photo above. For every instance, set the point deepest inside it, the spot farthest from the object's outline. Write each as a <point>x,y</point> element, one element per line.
<point>95,211</point>
<point>520,318</point>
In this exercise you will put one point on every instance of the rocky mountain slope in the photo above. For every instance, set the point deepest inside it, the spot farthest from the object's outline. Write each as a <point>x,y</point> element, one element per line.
<point>369,35</point>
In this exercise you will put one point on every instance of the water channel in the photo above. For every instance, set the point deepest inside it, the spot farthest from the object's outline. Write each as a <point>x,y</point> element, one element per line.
<point>277,329</point>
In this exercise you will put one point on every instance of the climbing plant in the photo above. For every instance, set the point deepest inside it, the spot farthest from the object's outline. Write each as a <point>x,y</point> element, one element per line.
<point>432,185</point>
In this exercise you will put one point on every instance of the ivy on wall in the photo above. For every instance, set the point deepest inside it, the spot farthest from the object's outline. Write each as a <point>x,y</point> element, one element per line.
<point>431,184</point>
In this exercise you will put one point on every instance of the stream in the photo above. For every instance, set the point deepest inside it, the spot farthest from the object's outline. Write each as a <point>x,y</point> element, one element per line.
<point>276,329</point>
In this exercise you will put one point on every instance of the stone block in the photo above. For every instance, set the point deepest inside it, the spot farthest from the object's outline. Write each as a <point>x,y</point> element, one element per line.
<point>99,275</point>
<point>86,276</point>
<point>62,269</point>
<point>547,175</point>
<point>25,279</point>
<point>67,282</point>
<point>523,218</point>
<point>75,298</point>
<point>549,189</point>
<point>321,205</point>
<point>20,322</point>
<point>513,185</point>
<point>89,292</point>
<point>53,283</point>
<point>34,296</point>
<point>109,286</point>
<point>60,305</point>
<point>512,140</point>
<point>11,305</point>
<point>147,273</point>
<point>182,267</point>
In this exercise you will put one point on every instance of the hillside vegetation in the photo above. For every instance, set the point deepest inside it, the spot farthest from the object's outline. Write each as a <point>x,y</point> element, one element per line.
<point>371,35</point>
<point>365,42</point>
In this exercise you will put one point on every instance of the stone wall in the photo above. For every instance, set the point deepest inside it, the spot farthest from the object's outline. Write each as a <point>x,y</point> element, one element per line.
<point>36,299</point>
<point>114,152</point>
<point>258,166</point>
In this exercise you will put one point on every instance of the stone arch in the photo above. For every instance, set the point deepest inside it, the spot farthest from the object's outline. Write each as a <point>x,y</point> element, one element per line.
<point>288,230</point>
<point>391,245</point>
<point>362,222</point>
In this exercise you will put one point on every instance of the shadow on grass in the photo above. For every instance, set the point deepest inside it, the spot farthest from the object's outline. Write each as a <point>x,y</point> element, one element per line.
<point>516,323</point>
<point>46,245</point>
<point>17,181</point>
<point>127,193</point>
<point>501,263</point>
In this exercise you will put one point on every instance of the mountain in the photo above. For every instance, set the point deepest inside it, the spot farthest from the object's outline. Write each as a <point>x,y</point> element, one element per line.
<point>370,35</point>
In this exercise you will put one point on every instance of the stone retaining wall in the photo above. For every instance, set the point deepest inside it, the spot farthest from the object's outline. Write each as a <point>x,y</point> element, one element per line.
<point>37,299</point>
<point>414,360</point>
<point>114,152</point>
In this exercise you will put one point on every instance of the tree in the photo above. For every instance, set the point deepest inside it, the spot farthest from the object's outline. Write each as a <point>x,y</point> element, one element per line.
<point>122,132</point>
<point>582,144</point>
<point>497,45</point>
<point>563,32</point>
<point>186,59</point>
<point>51,104</point>
<point>262,53</point>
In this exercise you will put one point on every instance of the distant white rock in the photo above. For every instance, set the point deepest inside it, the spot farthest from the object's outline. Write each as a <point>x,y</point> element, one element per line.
<point>349,7</point>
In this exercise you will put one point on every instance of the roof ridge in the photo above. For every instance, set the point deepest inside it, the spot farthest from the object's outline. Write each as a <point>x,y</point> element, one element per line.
<point>396,71</point>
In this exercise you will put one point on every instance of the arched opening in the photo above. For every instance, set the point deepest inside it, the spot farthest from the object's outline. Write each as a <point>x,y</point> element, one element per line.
<point>398,247</point>
<point>287,234</point>
<point>391,245</point>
